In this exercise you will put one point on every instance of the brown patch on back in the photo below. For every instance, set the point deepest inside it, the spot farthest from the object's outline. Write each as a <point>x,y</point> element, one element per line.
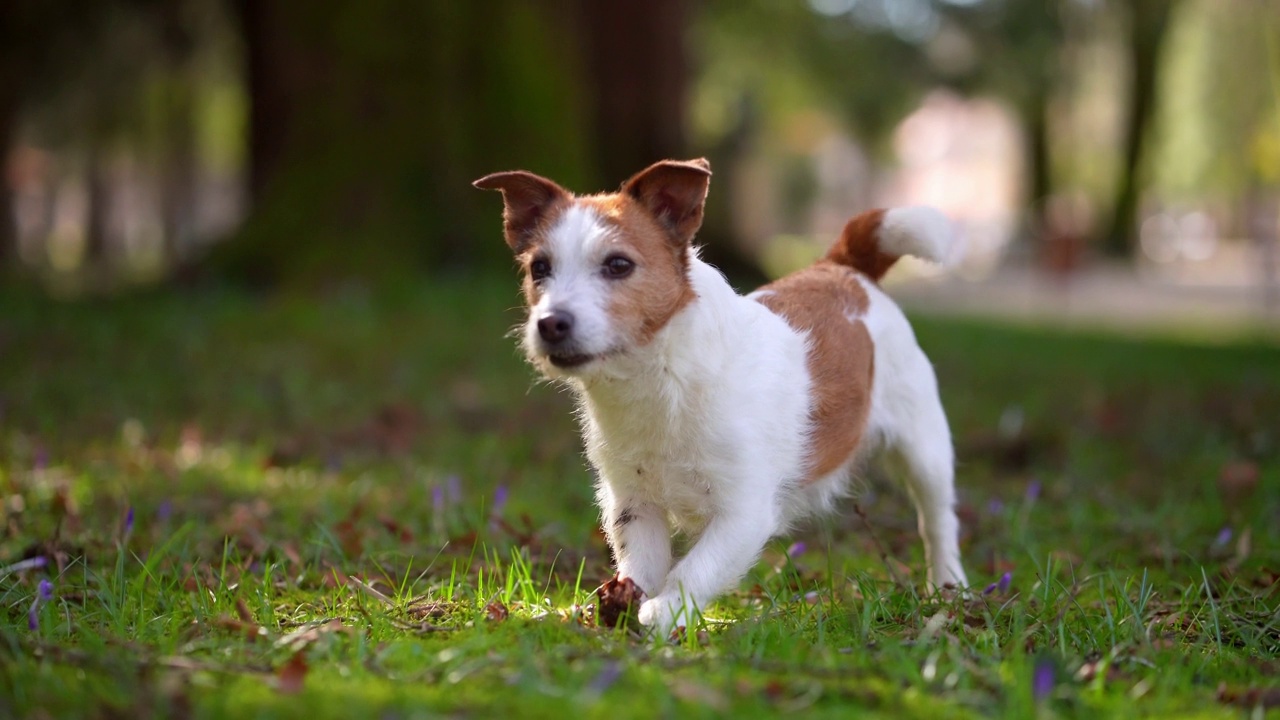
<point>859,246</point>
<point>817,301</point>
<point>645,302</point>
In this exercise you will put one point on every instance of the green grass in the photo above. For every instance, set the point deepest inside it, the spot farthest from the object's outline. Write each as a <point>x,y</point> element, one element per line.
<point>313,485</point>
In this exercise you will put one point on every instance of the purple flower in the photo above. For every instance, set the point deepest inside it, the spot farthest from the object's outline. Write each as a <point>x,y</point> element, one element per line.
<point>1042,679</point>
<point>437,497</point>
<point>128,521</point>
<point>1001,585</point>
<point>165,511</point>
<point>453,489</point>
<point>1033,490</point>
<point>608,675</point>
<point>499,499</point>
<point>1224,537</point>
<point>34,563</point>
<point>44,593</point>
<point>796,550</point>
<point>995,506</point>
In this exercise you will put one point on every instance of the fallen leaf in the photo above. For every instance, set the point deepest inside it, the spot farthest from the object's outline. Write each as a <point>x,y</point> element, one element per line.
<point>496,612</point>
<point>1251,697</point>
<point>292,675</point>
<point>1237,481</point>
<point>242,611</point>
<point>619,599</point>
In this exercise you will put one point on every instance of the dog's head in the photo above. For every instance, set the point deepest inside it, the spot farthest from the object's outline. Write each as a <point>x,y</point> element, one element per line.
<point>603,274</point>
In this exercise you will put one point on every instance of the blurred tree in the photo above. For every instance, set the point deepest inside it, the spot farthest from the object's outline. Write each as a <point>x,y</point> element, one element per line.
<point>35,36</point>
<point>1147,28</point>
<point>635,59</point>
<point>368,121</point>
<point>636,63</point>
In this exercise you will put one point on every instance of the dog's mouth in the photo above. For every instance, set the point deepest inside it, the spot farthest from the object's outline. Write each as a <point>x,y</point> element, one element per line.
<point>570,360</point>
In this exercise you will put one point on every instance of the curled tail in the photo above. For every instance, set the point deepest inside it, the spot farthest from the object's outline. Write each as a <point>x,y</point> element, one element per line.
<point>873,241</point>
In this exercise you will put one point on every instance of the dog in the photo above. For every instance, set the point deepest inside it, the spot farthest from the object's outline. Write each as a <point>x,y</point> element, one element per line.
<point>725,417</point>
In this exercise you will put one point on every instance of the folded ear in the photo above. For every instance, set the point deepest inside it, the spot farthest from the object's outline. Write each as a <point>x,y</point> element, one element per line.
<point>674,191</point>
<point>527,199</point>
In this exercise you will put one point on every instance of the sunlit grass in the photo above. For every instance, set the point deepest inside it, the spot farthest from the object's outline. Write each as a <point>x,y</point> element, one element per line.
<point>358,506</point>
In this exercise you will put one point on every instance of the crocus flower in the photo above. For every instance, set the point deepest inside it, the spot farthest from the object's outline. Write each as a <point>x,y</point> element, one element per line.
<point>796,550</point>
<point>1042,679</point>
<point>128,521</point>
<point>608,675</point>
<point>44,593</point>
<point>499,500</point>
<point>1001,585</point>
<point>34,563</point>
<point>1224,537</point>
<point>1033,490</point>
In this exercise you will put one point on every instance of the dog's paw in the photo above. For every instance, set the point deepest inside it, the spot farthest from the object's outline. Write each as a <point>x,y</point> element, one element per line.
<point>665,615</point>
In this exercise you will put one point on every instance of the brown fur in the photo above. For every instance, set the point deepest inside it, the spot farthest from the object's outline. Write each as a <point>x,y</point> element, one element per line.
<point>859,246</point>
<point>818,301</point>
<point>659,287</point>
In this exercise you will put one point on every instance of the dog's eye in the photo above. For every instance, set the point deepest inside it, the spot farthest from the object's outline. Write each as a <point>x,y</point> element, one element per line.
<point>617,266</point>
<point>539,269</point>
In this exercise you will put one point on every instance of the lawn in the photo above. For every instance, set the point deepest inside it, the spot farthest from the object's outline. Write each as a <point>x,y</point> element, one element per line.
<point>361,505</point>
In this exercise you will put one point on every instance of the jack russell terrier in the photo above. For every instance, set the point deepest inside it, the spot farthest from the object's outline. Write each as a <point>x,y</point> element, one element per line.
<point>725,417</point>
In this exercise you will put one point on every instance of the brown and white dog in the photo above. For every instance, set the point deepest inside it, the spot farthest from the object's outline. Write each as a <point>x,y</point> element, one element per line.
<point>725,417</point>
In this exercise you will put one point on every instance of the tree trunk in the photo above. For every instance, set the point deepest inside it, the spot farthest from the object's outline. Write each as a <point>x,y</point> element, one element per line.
<point>97,201</point>
<point>637,71</point>
<point>369,121</point>
<point>1148,25</point>
<point>8,221</point>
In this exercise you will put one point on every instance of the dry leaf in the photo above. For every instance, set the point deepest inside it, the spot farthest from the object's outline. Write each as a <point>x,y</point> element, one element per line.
<point>619,598</point>
<point>496,612</point>
<point>292,675</point>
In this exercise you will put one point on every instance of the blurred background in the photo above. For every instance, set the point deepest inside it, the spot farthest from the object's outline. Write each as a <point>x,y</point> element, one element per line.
<point>1116,160</point>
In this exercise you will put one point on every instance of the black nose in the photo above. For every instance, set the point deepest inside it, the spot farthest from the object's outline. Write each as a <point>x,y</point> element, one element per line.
<point>555,326</point>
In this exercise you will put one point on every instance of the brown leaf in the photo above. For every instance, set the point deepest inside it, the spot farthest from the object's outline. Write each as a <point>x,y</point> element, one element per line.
<point>496,612</point>
<point>401,533</point>
<point>251,630</point>
<point>1237,481</point>
<point>292,675</point>
<point>619,599</point>
<point>242,611</point>
<point>1251,697</point>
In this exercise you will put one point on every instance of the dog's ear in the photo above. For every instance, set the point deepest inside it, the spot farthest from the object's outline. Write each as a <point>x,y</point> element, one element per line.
<point>674,191</point>
<point>527,199</point>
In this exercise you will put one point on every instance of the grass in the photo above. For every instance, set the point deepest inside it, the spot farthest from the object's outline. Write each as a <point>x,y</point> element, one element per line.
<point>359,505</point>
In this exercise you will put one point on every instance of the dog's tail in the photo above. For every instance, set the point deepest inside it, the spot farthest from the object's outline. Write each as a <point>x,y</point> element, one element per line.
<point>873,241</point>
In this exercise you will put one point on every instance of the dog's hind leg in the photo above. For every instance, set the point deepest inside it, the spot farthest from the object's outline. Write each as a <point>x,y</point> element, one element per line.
<point>921,445</point>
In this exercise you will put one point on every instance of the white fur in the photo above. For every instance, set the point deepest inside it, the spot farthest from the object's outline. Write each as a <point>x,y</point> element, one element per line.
<point>576,246</point>
<point>920,231</point>
<point>704,429</point>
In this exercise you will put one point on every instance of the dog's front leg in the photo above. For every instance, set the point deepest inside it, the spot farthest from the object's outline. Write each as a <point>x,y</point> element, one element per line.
<point>725,551</point>
<point>641,542</point>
